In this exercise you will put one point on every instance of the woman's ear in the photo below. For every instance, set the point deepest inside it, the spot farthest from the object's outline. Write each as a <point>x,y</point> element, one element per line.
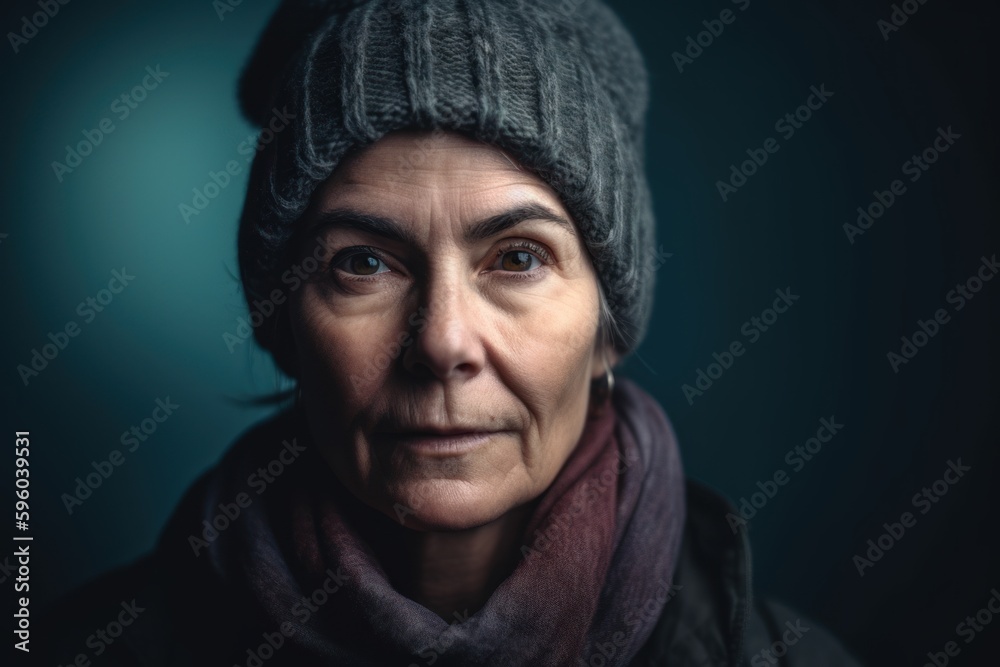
<point>602,380</point>
<point>605,357</point>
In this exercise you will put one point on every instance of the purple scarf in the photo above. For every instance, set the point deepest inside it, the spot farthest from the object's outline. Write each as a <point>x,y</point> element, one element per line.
<point>598,556</point>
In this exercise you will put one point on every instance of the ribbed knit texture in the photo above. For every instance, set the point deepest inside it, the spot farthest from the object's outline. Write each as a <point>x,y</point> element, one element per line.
<point>560,84</point>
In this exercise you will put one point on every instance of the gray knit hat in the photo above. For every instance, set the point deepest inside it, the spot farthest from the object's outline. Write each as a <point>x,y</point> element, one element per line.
<point>559,84</point>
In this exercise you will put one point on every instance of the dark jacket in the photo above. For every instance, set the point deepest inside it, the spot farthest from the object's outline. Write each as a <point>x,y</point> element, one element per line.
<point>713,618</point>
<point>169,618</point>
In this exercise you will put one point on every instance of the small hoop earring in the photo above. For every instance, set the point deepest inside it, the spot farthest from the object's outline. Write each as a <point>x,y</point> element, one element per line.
<point>601,391</point>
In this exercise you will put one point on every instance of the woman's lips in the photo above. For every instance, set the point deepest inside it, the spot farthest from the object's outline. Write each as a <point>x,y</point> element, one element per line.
<point>440,443</point>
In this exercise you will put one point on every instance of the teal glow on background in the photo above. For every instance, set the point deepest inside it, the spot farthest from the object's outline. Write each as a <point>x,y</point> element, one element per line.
<point>162,335</point>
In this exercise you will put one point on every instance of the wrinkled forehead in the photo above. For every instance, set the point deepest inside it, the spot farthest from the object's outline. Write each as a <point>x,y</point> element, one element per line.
<point>412,185</point>
<point>404,152</point>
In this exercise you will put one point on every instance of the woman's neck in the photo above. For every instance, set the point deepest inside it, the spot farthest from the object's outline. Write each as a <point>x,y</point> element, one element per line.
<point>452,573</point>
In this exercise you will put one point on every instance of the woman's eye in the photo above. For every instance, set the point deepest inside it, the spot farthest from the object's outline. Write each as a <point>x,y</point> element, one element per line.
<point>362,264</point>
<point>518,261</point>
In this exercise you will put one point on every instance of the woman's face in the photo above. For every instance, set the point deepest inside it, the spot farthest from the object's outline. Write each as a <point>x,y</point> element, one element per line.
<point>445,346</point>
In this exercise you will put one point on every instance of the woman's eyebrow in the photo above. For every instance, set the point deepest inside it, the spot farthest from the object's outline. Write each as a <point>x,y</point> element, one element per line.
<point>388,228</point>
<point>346,218</point>
<point>497,224</point>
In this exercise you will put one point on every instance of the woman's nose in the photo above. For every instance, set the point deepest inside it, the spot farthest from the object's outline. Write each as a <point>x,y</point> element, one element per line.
<point>449,344</point>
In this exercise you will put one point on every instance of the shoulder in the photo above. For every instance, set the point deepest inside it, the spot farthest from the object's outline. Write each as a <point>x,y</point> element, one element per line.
<point>99,619</point>
<point>778,635</point>
<point>160,611</point>
<point>167,605</point>
<point>714,618</point>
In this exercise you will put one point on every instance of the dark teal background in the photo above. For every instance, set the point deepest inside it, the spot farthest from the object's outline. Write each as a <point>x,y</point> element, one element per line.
<point>162,336</point>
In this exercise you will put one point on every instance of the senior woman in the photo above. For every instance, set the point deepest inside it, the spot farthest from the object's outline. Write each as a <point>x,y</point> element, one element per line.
<point>455,232</point>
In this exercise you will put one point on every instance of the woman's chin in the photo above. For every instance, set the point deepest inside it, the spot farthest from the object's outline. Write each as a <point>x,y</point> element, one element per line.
<point>446,505</point>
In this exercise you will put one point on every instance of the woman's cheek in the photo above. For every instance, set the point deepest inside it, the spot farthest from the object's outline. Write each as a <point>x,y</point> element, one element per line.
<point>562,335</point>
<point>356,358</point>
